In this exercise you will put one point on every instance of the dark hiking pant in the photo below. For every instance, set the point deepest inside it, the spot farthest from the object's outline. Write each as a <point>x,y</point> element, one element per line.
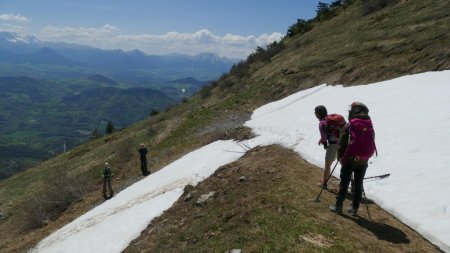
<point>358,168</point>
<point>144,165</point>
<point>107,181</point>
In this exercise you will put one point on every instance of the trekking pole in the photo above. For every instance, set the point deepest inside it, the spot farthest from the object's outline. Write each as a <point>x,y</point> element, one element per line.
<point>379,176</point>
<point>367,205</point>
<point>321,190</point>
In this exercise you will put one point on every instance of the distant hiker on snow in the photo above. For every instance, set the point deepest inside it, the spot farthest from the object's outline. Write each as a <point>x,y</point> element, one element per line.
<point>107,176</point>
<point>356,146</point>
<point>330,127</point>
<point>143,156</point>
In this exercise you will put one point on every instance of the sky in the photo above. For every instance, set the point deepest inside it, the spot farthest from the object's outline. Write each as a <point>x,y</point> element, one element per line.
<point>231,28</point>
<point>402,110</point>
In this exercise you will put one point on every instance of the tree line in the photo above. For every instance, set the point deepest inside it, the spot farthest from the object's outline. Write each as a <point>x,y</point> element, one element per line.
<point>109,129</point>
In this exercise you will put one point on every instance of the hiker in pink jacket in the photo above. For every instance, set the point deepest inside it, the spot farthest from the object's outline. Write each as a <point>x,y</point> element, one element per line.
<point>356,146</point>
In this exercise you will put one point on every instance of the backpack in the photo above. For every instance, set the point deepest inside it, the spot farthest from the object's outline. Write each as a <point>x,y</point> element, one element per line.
<point>362,139</point>
<point>107,172</point>
<point>335,122</point>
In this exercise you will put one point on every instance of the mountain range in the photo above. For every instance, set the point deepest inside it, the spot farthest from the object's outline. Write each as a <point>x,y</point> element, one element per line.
<point>27,55</point>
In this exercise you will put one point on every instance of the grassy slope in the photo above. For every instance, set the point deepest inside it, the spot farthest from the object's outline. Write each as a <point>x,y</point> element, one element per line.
<point>272,211</point>
<point>349,48</point>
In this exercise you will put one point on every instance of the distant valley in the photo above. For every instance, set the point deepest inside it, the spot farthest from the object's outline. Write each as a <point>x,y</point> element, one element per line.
<point>53,96</point>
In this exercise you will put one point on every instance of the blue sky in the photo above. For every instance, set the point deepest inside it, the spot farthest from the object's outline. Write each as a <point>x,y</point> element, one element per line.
<point>229,28</point>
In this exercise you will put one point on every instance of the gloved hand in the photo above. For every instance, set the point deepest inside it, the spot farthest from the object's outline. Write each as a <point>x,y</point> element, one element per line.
<point>325,145</point>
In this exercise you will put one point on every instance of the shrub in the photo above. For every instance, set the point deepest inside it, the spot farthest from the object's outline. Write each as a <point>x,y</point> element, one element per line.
<point>302,26</point>
<point>205,91</point>
<point>336,3</point>
<point>323,11</point>
<point>266,54</point>
<point>370,6</point>
<point>50,200</point>
<point>154,112</point>
<point>213,136</point>
<point>239,70</point>
<point>96,134</point>
<point>275,47</point>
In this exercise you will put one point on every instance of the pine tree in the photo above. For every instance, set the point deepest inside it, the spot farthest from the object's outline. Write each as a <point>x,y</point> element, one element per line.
<point>96,134</point>
<point>109,128</point>
<point>323,11</point>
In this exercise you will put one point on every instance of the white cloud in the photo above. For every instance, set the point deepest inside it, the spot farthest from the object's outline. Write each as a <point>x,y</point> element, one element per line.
<point>108,37</point>
<point>78,33</point>
<point>10,17</point>
<point>13,23</point>
<point>12,28</point>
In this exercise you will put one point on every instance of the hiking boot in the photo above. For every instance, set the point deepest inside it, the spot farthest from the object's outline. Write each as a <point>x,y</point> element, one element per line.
<point>323,185</point>
<point>336,209</point>
<point>352,211</point>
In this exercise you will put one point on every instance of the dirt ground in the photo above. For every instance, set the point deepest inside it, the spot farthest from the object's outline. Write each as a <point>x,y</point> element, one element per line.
<point>264,203</point>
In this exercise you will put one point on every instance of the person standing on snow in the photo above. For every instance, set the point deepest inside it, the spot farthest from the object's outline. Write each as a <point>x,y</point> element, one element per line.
<point>356,146</point>
<point>329,127</point>
<point>143,156</point>
<point>107,176</point>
